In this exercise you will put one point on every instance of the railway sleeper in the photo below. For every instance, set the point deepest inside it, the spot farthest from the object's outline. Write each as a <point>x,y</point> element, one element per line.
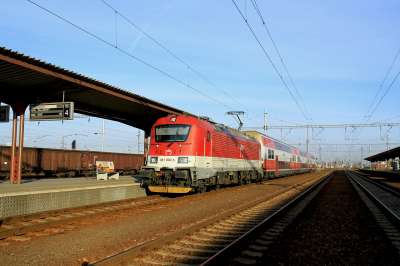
<point>166,253</point>
<point>213,251</point>
<point>226,231</point>
<point>188,242</point>
<point>220,235</point>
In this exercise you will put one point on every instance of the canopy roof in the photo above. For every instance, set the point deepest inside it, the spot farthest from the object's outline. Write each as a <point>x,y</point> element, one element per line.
<point>386,155</point>
<point>25,80</point>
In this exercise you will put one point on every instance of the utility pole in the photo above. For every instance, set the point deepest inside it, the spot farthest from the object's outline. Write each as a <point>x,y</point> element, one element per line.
<point>362,157</point>
<point>102,138</point>
<point>299,142</point>
<point>349,159</point>
<point>265,122</point>
<point>319,155</point>
<point>387,141</point>
<point>308,142</point>
<point>62,142</point>
<point>370,163</point>
<point>138,142</point>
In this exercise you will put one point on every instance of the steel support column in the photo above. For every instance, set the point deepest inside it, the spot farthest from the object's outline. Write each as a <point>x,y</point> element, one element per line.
<point>16,169</point>
<point>21,144</point>
<point>146,144</point>
<point>13,146</point>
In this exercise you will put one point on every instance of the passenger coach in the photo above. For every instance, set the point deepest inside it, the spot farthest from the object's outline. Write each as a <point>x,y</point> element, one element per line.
<point>280,159</point>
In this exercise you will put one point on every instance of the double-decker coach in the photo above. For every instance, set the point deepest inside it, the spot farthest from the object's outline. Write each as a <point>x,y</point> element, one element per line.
<point>280,159</point>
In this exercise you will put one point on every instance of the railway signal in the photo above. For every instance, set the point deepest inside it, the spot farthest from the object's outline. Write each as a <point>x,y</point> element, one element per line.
<point>51,111</point>
<point>5,113</point>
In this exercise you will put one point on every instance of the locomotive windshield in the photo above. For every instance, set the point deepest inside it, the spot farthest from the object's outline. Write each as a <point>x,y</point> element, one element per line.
<point>175,133</point>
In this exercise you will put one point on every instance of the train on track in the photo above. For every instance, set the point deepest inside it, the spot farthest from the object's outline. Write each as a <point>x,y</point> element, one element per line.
<point>189,154</point>
<point>61,162</point>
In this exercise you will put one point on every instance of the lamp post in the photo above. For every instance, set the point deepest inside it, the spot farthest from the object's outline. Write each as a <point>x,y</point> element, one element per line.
<point>62,139</point>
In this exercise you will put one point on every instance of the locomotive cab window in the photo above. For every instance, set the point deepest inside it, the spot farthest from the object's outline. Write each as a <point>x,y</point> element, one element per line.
<point>208,136</point>
<point>168,133</point>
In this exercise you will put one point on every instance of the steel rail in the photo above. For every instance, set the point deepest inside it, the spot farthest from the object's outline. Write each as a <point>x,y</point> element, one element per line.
<point>134,252</point>
<point>390,214</point>
<point>377,184</point>
<point>20,230</point>
<point>24,229</point>
<point>44,214</point>
<point>234,245</point>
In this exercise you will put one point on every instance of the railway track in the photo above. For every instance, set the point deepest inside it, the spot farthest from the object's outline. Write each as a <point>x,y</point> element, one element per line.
<point>204,242</point>
<point>43,223</point>
<point>386,199</point>
<point>389,180</point>
<point>23,227</point>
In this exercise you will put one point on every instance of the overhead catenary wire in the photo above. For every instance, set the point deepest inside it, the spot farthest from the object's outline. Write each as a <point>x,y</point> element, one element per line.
<point>179,59</point>
<point>380,101</point>
<point>282,63</point>
<point>380,87</point>
<point>132,56</point>
<point>265,52</point>
<point>276,48</point>
<point>136,58</point>
<point>276,70</point>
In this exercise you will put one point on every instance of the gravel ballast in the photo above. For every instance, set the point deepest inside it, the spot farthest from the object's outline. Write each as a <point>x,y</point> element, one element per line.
<point>105,236</point>
<point>336,228</point>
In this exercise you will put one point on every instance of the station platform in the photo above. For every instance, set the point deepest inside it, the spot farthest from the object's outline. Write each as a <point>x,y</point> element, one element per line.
<point>44,194</point>
<point>386,172</point>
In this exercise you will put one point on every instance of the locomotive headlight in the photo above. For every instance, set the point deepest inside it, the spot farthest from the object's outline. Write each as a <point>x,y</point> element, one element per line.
<point>153,159</point>
<point>182,159</point>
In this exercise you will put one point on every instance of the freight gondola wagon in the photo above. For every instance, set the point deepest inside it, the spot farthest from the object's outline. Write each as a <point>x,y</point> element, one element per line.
<point>61,162</point>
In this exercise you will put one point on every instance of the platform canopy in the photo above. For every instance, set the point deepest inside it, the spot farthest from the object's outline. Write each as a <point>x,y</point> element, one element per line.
<point>386,155</point>
<point>25,80</point>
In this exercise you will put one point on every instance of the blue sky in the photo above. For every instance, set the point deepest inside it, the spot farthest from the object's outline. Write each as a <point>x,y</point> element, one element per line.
<point>336,52</point>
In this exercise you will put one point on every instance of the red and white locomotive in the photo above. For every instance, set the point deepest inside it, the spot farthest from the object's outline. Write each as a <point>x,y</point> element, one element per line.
<point>189,154</point>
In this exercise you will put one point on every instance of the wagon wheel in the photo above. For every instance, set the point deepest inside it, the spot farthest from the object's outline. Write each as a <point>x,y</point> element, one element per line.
<point>7,176</point>
<point>241,182</point>
<point>216,187</point>
<point>201,189</point>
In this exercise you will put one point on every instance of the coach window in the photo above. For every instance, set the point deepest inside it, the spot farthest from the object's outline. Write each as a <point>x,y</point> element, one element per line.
<point>208,136</point>
<point>271,154</point>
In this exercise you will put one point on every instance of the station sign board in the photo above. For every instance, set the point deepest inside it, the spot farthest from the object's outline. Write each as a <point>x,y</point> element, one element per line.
<point>51,111</point>
<point>4,113</point>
